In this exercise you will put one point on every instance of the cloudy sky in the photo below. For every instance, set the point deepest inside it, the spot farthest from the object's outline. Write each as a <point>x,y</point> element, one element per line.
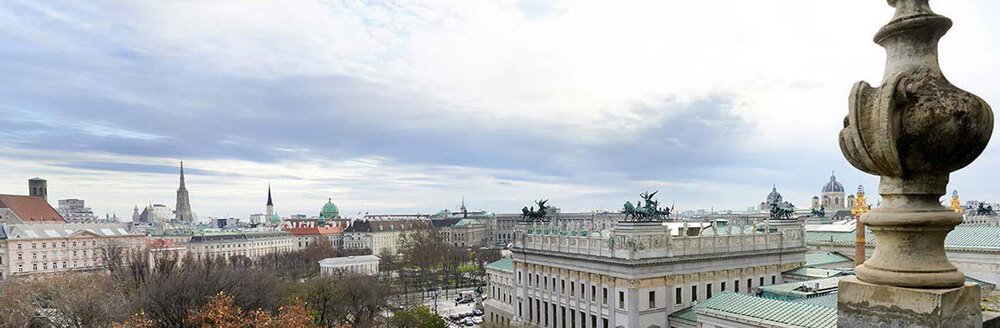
<point>407,106</point>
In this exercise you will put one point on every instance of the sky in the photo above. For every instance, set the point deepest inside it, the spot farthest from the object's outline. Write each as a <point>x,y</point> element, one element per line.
<point>409,106</point>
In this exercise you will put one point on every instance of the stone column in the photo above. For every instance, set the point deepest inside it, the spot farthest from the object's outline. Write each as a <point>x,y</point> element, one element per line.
<point>913,131</point>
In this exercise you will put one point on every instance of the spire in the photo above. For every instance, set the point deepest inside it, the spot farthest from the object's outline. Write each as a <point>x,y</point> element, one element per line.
<point>182,175</point>
<point>269,203</point>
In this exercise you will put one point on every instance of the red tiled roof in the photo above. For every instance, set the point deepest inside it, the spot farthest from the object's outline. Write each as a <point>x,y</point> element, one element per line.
<point>315,230</point>
<point>30,209</point>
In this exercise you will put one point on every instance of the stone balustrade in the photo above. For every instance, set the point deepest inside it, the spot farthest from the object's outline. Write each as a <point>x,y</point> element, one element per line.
<point>652,243</point>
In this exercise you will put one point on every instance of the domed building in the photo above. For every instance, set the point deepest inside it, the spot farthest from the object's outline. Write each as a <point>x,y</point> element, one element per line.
<point>833,194</point>
<point>330,210</point>
<point>772,198</point>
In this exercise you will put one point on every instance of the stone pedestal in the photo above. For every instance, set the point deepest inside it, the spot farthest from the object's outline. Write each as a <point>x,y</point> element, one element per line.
<point>861,304</point>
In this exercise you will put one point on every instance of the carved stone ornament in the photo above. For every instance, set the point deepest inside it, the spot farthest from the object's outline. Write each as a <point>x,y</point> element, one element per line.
<point>913,131</point>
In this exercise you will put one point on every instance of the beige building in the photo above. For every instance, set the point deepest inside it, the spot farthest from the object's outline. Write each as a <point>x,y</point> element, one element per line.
<point>27,249</point>
<point>308,232</point>
<point>637,273</point>
<point>252,244</point>
<point>380,235</point>
<point>462,232</point>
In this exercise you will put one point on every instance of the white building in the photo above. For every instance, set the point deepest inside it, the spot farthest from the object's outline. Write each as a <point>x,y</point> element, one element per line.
<point>364,264</point>
<point>637,273</point>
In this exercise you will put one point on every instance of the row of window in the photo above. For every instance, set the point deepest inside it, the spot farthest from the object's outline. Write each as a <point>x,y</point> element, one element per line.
<point>54,245</point>
<point>34,256</point>
<point>55,265</point>
<point>543,283</point>
<point>539,314</point>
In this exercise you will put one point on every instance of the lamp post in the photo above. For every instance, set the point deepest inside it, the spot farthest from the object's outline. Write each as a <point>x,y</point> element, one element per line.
<point>913,131</point>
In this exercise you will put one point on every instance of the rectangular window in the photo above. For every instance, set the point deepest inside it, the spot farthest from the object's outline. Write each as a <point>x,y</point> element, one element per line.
<point>553,285</point>
<point>723,286</point>
<point>546,311</point>
<point>572,289</point>
<point>621,299</point>
<point>694,293</point>
<point>708,289</point>
<point>562,286</point>
<point>519,277</point>
<point>531,309</point>
<point>773,279</point>
<point>605,322</point>
<point>749,284</point>
<point>593,321</point>
<point>605,296</point>
<point>593,294</point>
<point>652,300</point>
<point>677,296</point>
<point>736,286</point>
<point>762,281</point>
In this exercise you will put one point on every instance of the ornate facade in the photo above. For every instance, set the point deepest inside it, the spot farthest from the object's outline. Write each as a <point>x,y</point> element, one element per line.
<point>637,273</point>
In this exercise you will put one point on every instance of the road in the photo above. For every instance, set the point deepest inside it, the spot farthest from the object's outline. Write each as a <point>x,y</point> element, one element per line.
<point>447,306</point>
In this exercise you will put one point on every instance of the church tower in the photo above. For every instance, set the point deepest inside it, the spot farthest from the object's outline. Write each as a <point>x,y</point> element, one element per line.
<point>270,204</point>
<point>182,212</point>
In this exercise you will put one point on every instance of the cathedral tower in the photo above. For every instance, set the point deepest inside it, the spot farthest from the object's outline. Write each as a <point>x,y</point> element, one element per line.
<point>270,204</point>
<point>182,212</point>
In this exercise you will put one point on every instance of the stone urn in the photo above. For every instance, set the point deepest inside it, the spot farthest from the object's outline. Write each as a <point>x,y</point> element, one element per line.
<point>913,131</point>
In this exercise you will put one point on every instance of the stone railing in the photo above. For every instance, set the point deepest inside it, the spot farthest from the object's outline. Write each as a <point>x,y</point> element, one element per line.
<point>651,243</point>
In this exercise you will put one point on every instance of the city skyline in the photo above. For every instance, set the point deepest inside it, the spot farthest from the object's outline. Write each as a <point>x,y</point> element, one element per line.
<point>389,109</point>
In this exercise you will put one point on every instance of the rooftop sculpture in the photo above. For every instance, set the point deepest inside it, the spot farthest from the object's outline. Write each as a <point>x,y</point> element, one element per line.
<point>650,211</point>
<point>984,209</point>
<point>782,210</point>
<point>532,215</point>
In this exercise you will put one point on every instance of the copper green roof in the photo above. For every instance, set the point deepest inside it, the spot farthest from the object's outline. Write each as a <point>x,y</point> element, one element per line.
<point>506,264</point>
<point>686,314</point>
<point>767,312</point>
<point>814,272</point>
<point>467,222</point>
<point>961,237</point>
<point>825,258</point>
<point>330,210</point>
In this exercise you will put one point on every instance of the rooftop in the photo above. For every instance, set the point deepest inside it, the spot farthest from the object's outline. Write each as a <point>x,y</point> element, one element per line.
<point>63,230</point>
<point>30,209</point>
<point>506,264</point>
<point>961,237</point>
<point>768,312</point>
<point>826,258</point>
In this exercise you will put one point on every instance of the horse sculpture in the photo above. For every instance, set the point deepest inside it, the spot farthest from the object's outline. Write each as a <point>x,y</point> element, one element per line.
<point>648,212</point>
<point>782,210</point>
<point>819,213</point>
<point>532,215</point>
<point>984,209</point>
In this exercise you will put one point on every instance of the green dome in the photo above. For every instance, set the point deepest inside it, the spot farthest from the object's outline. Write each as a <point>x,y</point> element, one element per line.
<point>330,211</point>
<point>275,218</point>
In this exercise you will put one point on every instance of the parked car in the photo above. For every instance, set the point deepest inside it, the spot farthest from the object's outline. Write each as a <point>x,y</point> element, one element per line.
<point>477,312</point>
